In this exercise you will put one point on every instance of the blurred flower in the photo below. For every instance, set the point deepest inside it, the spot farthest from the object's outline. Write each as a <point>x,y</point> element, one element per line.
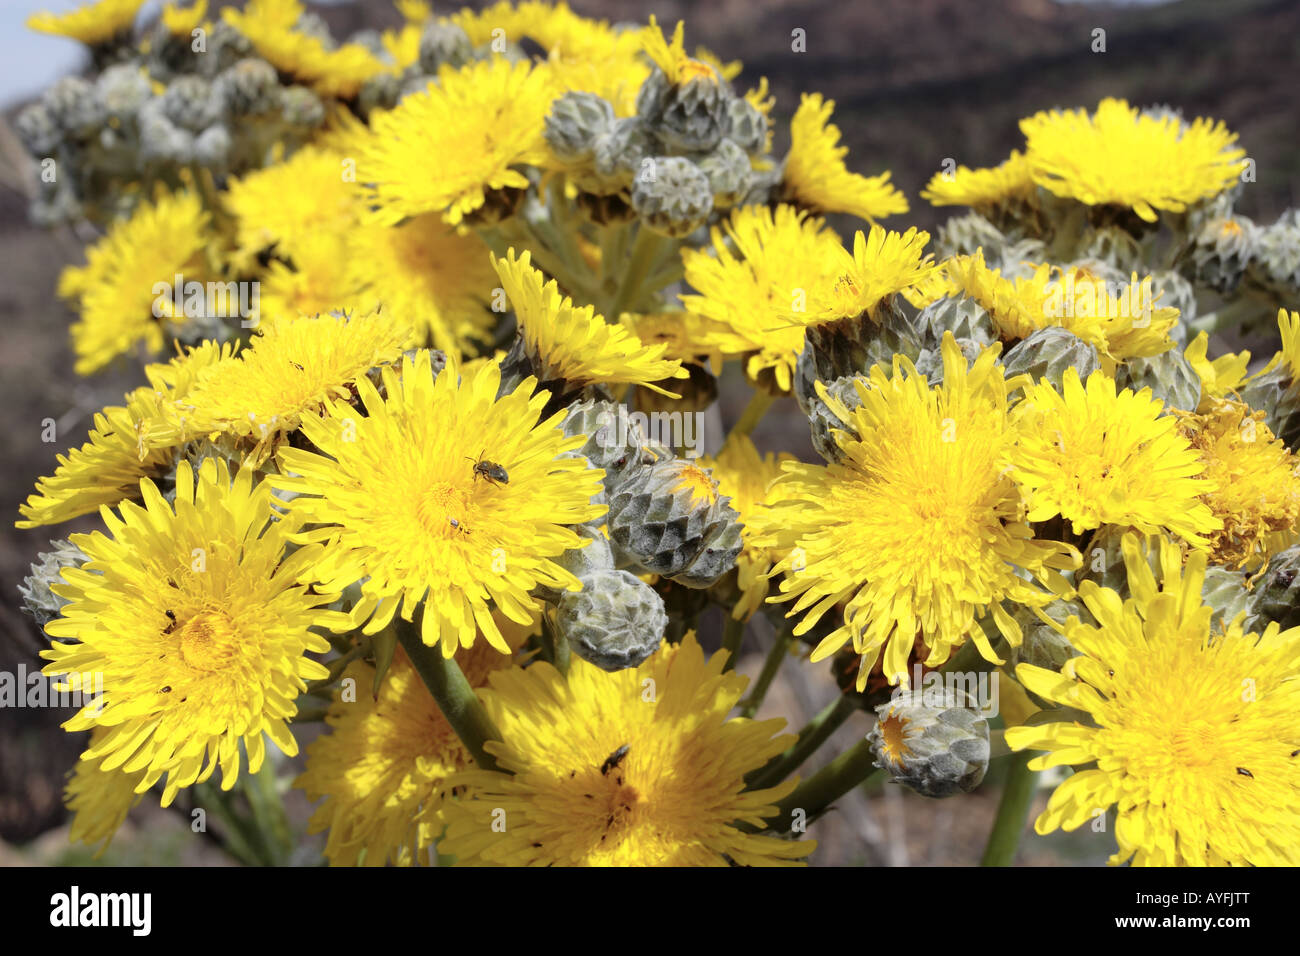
<point>92,24</point>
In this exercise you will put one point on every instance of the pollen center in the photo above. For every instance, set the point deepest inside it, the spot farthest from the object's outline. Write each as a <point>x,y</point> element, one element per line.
<point>208,641</point>
<point>895,742</point>
<point>699,483</point>
<point>441,510</point>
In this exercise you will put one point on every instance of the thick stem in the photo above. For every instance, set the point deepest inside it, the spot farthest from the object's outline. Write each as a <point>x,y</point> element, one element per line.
<point>456,699</point>
<point>815,733</point>
<point>827,785</point>
<point>732,635</point>
<point>646,252</point>
<point>1013,811</point>
<point>775,658</point>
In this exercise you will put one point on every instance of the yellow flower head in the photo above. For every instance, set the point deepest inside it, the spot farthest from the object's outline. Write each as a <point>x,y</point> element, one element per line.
<point>1121,322</point>
<point>195,621</point>
<point>291,202</point>
<point>1256,478</point>
<point>429,274</point>
<point>1193,734</point>
<point>883,264</point>
<point>816,177</point>
<point>115,290</point>
<point>603,775</point>
<point>126,443</point>
<point>1223,376</point>
<point>318,280</point>
<point>91,24</point>
<point>443,149</point>
<point>572,342</point>
<point>99,799</point>
<point>1119,156</point>
<point>671,57</point>
<point>982,188</point>
<point>181,20</point>
<point>396,497</point>
<point>290,372</point>
<point>750,300</point>
<point>382,766</point>
<point>1100,455</point>
<point>272,28</point>
<point>1288,326</point>
<point>919,531</point>
<point>748,478</point>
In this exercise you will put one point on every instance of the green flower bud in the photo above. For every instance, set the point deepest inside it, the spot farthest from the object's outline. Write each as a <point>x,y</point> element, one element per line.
<point>727,169</point>
<point>962,235</point>
<point>212,147</point>
<point>1277,594</point>
<point>226,47</point>
<point>614,440</point>
<point>1041,644</point>
<point>689,117</point>
<point>381,92</point>
<point>964,318</point>
<point>443,42</point>
<point>717,555</point>
<point>616,621</point>
<point>573,124</point>
<point>1047,353</point>
<point>665,516</point>
<point>619,152</point>
<point>75,106</point>
<point>160,138</point>
<point>1221,249</point>
<point>825,423</point>
<point>933,741</point>
<point>1276,263</point>
<point>1115,247</point>
<point>38,600</point>
<point>300,107</point>
<point>930,362</point>
<point>672,196</point>
<point>1169,375</point>
<point>852,346</point>
<point>1171,289</point>
<point>37,131</point>
<point>1226,592</point>
<point>190,104</point>
<point>1277,395</point>
<point>746,126</point>
<point>123,89</point>
<point>250,87</point>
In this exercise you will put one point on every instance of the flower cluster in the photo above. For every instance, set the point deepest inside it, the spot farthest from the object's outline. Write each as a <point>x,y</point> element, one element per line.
<point>400,464</point>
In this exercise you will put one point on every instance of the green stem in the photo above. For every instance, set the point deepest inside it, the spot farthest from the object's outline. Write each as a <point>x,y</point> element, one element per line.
<point>646,252</point>
<point>732,636</point>
<point>456,699</point>
<point>758,405</point>
<point>814,795</point>
<point>775,658</point>
<point>269,818</point>
<point>240,839</point>
<point>815,733</point>
<point>1013,811</point>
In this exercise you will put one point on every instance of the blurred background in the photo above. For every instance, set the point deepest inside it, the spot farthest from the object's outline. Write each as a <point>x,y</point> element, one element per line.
<point>915,82</point>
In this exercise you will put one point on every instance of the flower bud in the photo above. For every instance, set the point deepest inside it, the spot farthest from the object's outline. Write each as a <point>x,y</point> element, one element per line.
<point>1169,375</point>
<point>671,196</point>
<point>1277,594</point>
<point>933,741</point>
<point>616,621</point>
<point>1047,353</point>
<point>573,124</point>
<point>38,600</point>
<point>1220,252</point>
<point>727,169</point>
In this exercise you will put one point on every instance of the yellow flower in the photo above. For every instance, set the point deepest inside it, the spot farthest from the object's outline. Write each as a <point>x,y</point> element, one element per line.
<point>1288,326</point>
<point>572,342</point>
<point>290,372</point>
<point>603,772</point>
<point>442,150</point>
<point>919,531</point>
<point>749,300</point>
<point>747,478</point>
<point>1103,455</point>
<point>394,494</point>
<point>816,177</point>
<point>271,27</point>
<point>288,203</point>
<point>1192,733</point>
<point>428,273</point>
<point>671,57</point>
<point>1223,376</point>
<point>1121,322</point>
<point>1257,483</point>
<point>126,443</point>
<point>318,281</point>
<point>982,188</point>
<point>195,620</point>
<point>382,766</point>
<point>181,20</point>
<point>115,291</point>
<point>883,264</point>
<point>99,799</point>
<point>1121,157</point>
<point>92,23</point>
